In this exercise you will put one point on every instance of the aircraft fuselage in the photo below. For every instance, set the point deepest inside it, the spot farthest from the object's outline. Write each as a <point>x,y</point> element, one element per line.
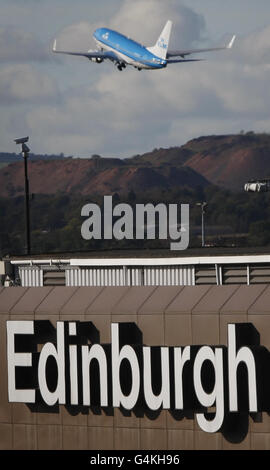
<point>127,50</point>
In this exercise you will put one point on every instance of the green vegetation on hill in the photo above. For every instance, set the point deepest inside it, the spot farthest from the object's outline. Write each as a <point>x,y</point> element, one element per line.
<point>231,219</point>
<point>210,168</point>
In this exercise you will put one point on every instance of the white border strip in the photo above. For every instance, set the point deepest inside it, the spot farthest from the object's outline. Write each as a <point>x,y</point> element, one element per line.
<point>171,261</point>
<point>149,261</point>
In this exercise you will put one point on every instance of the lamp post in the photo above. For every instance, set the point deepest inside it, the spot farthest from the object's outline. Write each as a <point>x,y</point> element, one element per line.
<point>25,152</point>
<point>203,206</point>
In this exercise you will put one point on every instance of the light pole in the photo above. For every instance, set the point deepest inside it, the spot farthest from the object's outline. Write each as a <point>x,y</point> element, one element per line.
<point>25,153</point>
<point>203,206</point>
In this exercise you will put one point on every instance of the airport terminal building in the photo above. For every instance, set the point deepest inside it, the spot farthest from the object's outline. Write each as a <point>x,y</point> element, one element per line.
<point>137,351</point>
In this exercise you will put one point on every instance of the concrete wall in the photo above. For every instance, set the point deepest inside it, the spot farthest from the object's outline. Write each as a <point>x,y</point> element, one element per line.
<point>175,316</point>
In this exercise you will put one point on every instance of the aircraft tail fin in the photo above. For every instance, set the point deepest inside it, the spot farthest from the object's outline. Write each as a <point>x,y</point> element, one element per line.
<point>162,44</point>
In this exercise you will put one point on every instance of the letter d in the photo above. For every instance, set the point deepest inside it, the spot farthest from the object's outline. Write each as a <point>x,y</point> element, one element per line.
<point>58,354</point>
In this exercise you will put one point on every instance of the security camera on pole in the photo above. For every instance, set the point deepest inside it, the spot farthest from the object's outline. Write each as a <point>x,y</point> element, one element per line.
<point>25,152</point>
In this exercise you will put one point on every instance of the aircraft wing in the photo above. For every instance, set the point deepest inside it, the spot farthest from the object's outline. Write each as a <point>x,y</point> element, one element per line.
<point>184,52</point>
<point>89,54</point>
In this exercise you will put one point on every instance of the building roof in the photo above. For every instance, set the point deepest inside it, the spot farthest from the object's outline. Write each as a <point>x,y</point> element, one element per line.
<point>142,257</point>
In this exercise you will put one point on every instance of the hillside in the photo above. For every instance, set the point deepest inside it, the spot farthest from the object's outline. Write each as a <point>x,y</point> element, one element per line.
<point>227,161</point>
<point>230,161</point>
<point>85,176</point>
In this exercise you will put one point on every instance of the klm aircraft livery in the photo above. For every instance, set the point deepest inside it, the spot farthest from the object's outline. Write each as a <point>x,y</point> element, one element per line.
<point>123,51</point>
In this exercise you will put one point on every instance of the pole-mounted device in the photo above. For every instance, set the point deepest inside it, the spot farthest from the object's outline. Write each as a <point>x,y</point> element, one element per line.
<point>25,152</point>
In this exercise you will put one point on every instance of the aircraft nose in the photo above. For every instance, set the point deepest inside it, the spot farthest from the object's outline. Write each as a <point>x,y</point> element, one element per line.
<point>98,32</point>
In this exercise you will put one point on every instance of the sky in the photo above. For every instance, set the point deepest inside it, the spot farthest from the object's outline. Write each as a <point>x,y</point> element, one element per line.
<point>69,105</point>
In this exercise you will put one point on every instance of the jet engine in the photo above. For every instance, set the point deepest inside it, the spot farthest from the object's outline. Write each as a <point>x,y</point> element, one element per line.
<point>98,60</point>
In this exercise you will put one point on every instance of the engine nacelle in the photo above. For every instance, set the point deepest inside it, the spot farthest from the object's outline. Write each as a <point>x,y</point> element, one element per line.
<point>98,60</point>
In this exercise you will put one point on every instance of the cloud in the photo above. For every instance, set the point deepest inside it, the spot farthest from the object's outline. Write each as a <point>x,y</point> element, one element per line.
<point>77,37</point>
<point>19,46</point>
<point>22,84</point>
<point>254,48</point>
<point>131,112</point>
<point>132,19</point>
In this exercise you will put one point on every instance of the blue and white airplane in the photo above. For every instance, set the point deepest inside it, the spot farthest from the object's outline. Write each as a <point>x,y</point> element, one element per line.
<point>123,51</point>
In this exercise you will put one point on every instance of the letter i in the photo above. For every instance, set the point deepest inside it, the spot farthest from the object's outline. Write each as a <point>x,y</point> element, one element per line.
<point>73,366</point>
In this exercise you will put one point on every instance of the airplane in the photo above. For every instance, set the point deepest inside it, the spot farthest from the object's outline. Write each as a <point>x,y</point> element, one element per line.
<point>123,51</point>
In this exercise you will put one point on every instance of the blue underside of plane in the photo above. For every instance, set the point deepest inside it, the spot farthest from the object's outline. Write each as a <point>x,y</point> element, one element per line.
<point>128,47</point>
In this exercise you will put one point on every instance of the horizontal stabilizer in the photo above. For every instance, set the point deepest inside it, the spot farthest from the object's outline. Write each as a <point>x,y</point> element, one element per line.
<point>178,61</point>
